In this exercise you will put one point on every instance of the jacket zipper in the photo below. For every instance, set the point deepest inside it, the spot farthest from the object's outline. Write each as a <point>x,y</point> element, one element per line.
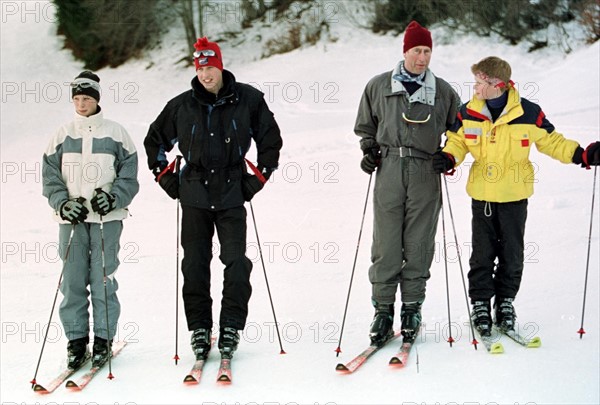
<point>237,138</point>
<point>189,157</point>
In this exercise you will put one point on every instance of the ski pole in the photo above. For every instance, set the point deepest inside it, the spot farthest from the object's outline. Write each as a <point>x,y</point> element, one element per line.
<point>266,279</point>
<point>338,350</point>
<point>70,240</point>
<point>587,264</point>
<point>450,339</point>
<point>462,274</point>
<point>176,357</point>
<point>104,277</point>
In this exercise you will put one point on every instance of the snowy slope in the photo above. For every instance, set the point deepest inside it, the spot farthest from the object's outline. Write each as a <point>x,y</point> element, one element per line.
<point>308,218</point>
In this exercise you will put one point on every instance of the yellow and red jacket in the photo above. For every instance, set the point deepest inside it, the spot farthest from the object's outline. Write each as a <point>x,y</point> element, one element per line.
<point>502,171</point>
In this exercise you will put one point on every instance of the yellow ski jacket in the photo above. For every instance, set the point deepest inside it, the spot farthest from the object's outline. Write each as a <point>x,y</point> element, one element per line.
<point>502,171</point>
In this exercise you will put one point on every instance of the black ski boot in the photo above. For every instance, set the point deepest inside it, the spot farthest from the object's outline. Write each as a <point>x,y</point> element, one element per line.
<point>410,315</point>
<point>201,343</point>
<point>381,327</point>
<point>482,318</point>
<point>77,352</point>
<point>228,342</point>
<point>101,351</point>
<point>505,313</point>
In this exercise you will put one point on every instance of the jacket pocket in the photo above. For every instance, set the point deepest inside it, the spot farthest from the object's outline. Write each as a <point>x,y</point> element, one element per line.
<point>473,139</point>
<point>193,189</point>
<point>232,187</point>
<point>520,146</point>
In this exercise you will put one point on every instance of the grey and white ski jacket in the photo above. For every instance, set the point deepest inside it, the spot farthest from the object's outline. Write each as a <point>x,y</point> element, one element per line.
<point>86,154</point>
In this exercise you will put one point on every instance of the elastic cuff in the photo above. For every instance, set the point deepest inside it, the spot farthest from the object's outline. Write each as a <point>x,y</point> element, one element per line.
<point>578,156</point>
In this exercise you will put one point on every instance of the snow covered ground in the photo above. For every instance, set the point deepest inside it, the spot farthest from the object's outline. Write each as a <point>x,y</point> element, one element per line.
<point>308,218</point>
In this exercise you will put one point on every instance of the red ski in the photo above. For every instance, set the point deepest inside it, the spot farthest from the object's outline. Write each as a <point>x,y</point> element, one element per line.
<point>224,374</point>
<point>57,382</point>
<point>399,360</point>
<point>194,375</point>
<point>359,360</point>
<point>87,377</point>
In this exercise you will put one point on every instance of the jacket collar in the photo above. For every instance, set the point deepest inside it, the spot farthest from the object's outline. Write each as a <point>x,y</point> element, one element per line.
<point>425,95</point>
<point>93,120</point>
<point>512,110</point>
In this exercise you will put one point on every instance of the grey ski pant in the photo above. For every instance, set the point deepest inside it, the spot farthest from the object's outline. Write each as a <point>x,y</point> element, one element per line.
<point>83,274</point>
<point>406,205</point>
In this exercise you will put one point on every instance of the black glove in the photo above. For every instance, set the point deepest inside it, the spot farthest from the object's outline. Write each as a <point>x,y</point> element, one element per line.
<point>170,183</point>
<point>371,159</point>
<point>442,162</point>
<point>102,202</point>
<point>250,186</point>
<point>74,211</point>
<point>266,172</point>
<point>588,157</point>
<point>158,168</point>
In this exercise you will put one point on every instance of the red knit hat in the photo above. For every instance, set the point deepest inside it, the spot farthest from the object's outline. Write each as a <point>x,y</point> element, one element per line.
<point>416,35</point>
<point>207,54</point>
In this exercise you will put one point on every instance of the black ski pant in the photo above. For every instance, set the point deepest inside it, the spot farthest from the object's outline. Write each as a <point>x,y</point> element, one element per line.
<point>498,231</point>
<point>198,227</point>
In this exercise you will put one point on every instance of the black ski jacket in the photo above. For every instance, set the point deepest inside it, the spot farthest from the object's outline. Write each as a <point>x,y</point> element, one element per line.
<point>214,135</point>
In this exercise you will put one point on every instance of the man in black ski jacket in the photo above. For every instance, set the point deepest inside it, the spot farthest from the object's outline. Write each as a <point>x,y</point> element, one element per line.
<point>214,124</point>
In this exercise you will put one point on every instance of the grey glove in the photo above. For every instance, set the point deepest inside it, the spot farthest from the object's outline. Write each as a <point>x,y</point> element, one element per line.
<point>74,211</point>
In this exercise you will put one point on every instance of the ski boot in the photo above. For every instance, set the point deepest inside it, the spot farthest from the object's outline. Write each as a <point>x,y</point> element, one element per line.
<point>228,342</point>
<point>101,352</point>
<point>201,343</point>
<point>505,314</point>
<point>381,328</point>
<point>482,318</point>
<point>77,352</point>
<point>410,315</point>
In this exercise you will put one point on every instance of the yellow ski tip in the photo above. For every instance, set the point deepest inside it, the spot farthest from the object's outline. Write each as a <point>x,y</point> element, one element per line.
<point>534,342</point>
<point>497,348</point>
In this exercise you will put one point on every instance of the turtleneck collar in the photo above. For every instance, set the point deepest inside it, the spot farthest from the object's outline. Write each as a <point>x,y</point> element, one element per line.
<point>498,102</point>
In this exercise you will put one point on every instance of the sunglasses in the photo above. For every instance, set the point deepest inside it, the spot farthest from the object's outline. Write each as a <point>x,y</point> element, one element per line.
<point>204,52</point>
<point>85,84</point>
<point>416,121</point>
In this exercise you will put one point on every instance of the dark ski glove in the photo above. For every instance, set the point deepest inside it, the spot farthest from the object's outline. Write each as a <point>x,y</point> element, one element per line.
<point>588,157</point>
<point>371,159</point>
<point>158,168</point>
<point>102,202</point>
<point>166,179</point>
<point>170,183</point>
<point>74,211</point>
<point>250,186</point>
<point>442,162</point>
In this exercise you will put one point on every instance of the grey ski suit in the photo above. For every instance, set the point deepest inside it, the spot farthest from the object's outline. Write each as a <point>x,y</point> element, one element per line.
<point>406,200</point>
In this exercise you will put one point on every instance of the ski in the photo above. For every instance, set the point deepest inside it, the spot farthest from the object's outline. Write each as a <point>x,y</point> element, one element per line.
<point>87,377</point>
<point>400,359</point>
<point>491,343</point>
<point>224,374</point>
<point>359,360</point>
<point>57,382</point>
<point>534,342</point>
<point>196,372</point>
